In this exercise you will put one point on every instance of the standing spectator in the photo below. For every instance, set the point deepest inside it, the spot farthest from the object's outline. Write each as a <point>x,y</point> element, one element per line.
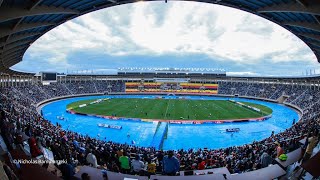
<point>34,150</point>
<point>304,147</point>
<point>265,159</point>
<point>171,164</point>
<point>124,163</point>
<point>313,141</point>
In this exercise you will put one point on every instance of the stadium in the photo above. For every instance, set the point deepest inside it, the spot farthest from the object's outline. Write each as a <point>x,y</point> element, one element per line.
<point>155,123</point>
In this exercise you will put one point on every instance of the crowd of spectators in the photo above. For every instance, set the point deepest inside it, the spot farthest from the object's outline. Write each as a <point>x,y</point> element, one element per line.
<point>18,115</point>
<point>302,96</point>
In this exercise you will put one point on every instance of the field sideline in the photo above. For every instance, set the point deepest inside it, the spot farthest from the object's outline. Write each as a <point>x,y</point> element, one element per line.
<point>170,109</point>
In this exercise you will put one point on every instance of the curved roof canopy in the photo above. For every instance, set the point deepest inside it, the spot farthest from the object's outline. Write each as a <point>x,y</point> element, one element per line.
<point>23,21</point>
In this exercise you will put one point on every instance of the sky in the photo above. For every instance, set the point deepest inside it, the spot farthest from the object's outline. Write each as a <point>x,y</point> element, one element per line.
<point>173,34</point>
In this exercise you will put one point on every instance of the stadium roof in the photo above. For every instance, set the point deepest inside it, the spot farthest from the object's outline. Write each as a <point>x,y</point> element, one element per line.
<point>23,21</point>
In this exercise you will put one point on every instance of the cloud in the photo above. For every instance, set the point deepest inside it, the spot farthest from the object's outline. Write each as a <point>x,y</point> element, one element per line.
<point>242,74</point>
<point>156,29</point>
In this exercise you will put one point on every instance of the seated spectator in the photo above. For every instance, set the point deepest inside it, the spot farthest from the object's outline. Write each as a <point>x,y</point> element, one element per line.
<point>85,176</point>
<point>201,164</point>
<point>171,164</point>
<point>279,149</point>
<point>91,159</point>
<point>137,165</point>
<point>67,170</point>
<point>124,163</point>
<point>151,167</point>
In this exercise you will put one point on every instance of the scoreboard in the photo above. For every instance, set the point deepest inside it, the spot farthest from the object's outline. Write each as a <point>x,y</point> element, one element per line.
<point>49,76</point>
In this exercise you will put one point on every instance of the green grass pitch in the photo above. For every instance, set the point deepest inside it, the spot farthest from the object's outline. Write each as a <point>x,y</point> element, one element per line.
<point>170,109</point>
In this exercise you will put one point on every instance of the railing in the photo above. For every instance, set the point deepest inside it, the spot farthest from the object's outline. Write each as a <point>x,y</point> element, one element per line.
<point>159,135</point>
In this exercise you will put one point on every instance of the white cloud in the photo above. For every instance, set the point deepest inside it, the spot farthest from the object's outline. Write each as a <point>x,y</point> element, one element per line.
<point>246,73</point>
<point>177,28</point>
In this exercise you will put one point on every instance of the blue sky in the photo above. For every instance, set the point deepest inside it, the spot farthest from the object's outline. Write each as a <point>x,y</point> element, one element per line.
<point>173,34</point>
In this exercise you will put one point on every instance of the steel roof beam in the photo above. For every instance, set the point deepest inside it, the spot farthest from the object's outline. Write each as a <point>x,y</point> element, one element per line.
<point>306,25</point>
<point>314,43</point>
<point>316,17</point>
<point>15,49</point>
<point>9,51</point>
<point>19,37</point>
<point>18,43</point>
<point>302,2</point>
<point>35,4</point>
<point>9,13</point>
<point>113,1</point>
<point>11,57</point>
<point>6,52</point>
<point>292,7</point>
<point>317,49</point>
<point>11,62</point>
<point>15,38</point>
<point>5,31</point>
<point>18,54</point>
<point>10,54</point>
<point>311,36</point>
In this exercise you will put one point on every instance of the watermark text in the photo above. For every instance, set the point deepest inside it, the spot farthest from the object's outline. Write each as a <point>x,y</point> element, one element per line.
<point>39,161</point>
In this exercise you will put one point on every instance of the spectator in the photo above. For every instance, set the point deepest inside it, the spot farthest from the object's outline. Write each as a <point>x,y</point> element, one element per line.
<point>18,108</point>
<point>151,167</point>
<point>279,149</point>
<point>34,150</point>
<point>85,176</point>
<point>313,141</point>
<point>171,164</point>
<point>124,163</point>
<point>91,159</point>
<point>265,159</point>
<point>137,165</point>
<point>304,147</point>
<point>67,171</point>
<point>201,164</point>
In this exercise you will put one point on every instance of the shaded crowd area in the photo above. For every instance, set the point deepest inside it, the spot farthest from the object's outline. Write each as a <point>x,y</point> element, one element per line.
<point>19,122</point>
